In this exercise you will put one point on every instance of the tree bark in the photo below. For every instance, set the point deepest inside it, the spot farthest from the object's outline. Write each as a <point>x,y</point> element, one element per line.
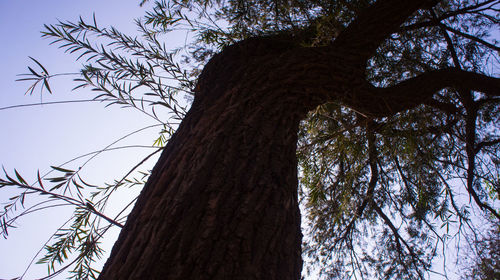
<point>222,202</point>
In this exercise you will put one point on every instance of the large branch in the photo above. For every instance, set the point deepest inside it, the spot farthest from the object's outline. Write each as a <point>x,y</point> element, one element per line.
<point>380,102</point>
<point>374,25</point>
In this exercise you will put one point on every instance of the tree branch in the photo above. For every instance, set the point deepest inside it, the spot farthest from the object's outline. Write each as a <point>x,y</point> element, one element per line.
<point>449,42</point>
<point>471,37</point>
<point>372,160</point>
<point>374,25</point>
<point>419,90</point>
<point>483,144</point>
<point>476,8</point>
<point>399,238</point>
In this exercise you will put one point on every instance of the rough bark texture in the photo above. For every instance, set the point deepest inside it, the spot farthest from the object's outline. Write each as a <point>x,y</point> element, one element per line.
<point>221,202</point>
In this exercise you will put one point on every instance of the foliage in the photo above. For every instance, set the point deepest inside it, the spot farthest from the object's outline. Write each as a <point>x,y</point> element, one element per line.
<point>484,262</point>
<point>79,236</point>
<point>383,197</point>
<point>421,156</point>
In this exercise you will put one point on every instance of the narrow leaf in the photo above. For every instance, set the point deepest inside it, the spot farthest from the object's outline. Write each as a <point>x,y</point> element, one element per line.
<point>21,180</point>
<point>40,180</point>
<point>62,169</point>
<point>39,64</point>
<point>46,83</point>
<point>33,72</point>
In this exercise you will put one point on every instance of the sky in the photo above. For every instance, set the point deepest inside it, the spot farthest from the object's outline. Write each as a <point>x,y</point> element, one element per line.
<point>34,138</point>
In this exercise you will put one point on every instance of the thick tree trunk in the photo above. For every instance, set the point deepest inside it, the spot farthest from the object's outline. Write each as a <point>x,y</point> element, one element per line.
<point>222,202</point>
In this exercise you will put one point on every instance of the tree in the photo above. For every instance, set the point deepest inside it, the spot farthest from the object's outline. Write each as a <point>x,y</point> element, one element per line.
<point>483,263</point>
<point>397,102</point>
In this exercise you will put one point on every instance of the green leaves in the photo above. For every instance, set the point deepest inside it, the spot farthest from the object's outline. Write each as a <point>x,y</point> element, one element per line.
<point>78,242</point>
<point>420,153</point>
<point>80,239</point>
<point>42,77</point>
<point>125,70</point>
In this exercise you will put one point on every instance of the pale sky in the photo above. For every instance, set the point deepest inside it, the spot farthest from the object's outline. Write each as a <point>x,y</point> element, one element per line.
<point>37,137</point>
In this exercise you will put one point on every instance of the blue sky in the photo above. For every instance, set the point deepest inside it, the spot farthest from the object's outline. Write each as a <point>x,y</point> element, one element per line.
<point>37,137</point>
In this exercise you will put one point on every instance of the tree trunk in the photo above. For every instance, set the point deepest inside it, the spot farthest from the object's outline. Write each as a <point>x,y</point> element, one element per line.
<point>222,201</point>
